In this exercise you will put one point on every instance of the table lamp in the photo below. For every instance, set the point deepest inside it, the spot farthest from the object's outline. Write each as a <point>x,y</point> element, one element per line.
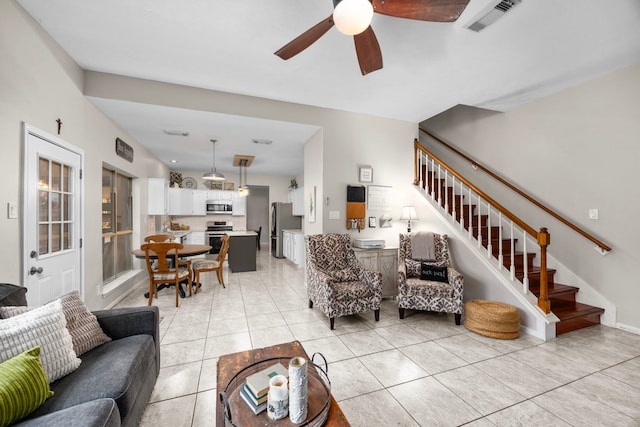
<point>409,213</point>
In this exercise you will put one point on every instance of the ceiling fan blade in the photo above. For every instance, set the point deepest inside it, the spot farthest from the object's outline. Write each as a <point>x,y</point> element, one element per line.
<point>422,10</point>
<point>305,39</point>
<point>368,51</point>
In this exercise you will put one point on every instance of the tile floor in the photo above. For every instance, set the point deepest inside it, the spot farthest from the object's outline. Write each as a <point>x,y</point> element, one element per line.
<point>421,371</point>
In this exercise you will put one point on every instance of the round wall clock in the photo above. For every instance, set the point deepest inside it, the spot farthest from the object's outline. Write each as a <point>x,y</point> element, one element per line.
<point>188,182</point>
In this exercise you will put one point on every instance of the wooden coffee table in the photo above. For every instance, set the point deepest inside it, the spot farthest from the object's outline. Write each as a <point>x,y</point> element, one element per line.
<point>230,364</point>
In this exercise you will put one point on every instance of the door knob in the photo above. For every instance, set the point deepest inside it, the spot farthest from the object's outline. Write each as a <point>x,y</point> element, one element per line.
<point>35,270</point>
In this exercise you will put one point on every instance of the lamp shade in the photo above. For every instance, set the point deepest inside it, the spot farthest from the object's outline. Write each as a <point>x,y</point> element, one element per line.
<point>409,213</point>
<point>353,16</point>
<point>214,175</point>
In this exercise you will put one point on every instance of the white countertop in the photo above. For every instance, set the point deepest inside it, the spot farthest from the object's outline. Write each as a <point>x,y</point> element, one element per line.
<point>293,231</point>
<point>241,233</point>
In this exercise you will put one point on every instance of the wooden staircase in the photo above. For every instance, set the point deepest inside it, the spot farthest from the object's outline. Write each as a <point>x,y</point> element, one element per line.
<point>572,314</point>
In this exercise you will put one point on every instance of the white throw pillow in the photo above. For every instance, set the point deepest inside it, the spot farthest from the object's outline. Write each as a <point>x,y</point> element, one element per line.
<point>44,326</point>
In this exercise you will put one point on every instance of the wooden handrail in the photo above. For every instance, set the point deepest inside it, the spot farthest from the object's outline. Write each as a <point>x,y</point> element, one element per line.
<point>542,237</point>
<point>554,214</point>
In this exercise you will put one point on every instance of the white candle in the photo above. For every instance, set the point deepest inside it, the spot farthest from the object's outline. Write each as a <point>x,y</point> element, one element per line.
<point>298,385</point>
<point>278,398</point>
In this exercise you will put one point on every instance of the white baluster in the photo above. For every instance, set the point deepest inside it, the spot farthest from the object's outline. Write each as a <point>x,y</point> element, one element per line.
<point>500,248</point>
<point>512,267</point>
<point>489,245</point>
<point>525,278</point>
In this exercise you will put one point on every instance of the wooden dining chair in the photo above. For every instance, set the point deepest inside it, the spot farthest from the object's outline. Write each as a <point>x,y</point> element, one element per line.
<point>164,272</point>
<point>166,237</point>
<point>205,265</point>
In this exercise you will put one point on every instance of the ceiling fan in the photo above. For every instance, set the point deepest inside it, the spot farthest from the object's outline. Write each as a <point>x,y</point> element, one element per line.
<point>367,47</point>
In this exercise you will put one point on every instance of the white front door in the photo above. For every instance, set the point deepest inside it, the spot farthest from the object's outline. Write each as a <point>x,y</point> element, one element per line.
<point>52,217</point>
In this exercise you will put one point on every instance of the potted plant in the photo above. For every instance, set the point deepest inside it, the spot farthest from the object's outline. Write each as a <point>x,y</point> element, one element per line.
<point>293,184</point>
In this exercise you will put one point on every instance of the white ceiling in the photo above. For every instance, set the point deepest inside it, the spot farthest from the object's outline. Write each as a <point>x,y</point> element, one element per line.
<point>538,48</point>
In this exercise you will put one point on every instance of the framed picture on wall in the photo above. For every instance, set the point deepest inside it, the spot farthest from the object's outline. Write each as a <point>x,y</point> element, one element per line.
<point>366,174</point>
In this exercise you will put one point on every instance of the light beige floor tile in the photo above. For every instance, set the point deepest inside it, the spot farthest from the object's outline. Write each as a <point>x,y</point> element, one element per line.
<point>208,375</point>
<point>193,317</point>
<point>561,369</point>
<point>205,410</point>
<point>391,367</point>
<point>300,316</point>
<point>525,380</point>
<point>181,333</point>
<point>174,412</point>
<point>330,347</point>
<point>265,321</point>
<point>444,408</point>
<point>401,335</point>
<point>611,392</point>
<point>376,409</point>
<point>350,378</point>
<point>365,342</point>
<point>272,336</point>
<point>433,358</point>
<point>310,330</point>
<point>176,381</point>
<point>526,414</point>
<point>467,349</point>
<point>225,344</point>
<point>180,353</point>
<point>628,372</point>
<point>219,327</point>
<point>576,409</point>
<point>507,346</point>
<point>482,392</point>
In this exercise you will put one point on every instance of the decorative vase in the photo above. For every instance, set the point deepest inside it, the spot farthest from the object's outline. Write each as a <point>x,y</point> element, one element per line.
<point>298,383</point>
<point>277,398</point>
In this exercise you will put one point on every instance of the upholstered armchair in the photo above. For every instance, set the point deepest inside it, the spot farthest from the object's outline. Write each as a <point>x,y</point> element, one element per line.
<point>426,280</point>
<point>336,282</point>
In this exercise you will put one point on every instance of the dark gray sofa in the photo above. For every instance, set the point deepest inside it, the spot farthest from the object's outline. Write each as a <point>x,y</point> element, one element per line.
<point>114,382</point>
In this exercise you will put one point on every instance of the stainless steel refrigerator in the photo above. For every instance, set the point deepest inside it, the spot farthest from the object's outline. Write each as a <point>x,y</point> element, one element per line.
<point>282,219</point>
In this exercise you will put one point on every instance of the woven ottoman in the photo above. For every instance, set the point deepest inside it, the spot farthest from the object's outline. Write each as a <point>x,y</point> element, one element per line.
<point>492,319</point>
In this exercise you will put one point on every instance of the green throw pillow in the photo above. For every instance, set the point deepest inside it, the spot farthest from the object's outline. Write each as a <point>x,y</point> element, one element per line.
<point>23,386</point>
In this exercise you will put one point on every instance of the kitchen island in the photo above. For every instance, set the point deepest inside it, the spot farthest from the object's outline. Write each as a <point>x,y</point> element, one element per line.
<point>242,251</point>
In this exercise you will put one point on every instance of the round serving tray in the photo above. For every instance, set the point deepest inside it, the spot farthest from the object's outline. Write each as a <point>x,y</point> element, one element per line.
<point>238,414</point>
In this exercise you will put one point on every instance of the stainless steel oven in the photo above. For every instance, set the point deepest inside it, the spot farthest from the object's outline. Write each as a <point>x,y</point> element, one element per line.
<point>214,233</point>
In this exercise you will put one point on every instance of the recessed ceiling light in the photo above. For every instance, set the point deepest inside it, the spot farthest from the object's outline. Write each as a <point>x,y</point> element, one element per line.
<point>262,141</point>
<point>176,132</point>
<point>173,161</point>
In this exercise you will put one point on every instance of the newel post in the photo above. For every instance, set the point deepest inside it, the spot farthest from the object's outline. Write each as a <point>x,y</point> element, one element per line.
<point>543,240</point>
<point>415,161</point>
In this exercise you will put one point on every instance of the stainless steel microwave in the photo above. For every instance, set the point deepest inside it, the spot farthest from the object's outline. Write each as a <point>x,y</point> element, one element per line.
<point>219,207</point>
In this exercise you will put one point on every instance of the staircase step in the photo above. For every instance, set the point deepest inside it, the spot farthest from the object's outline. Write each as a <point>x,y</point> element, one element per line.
<point>557,291</point>
<point>534,277</point>
<point>575,315</point>
<point>518,260</point>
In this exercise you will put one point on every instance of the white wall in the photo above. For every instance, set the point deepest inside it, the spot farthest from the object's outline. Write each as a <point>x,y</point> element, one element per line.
<point>347,140</point>
<point>40,83</point>
<point>573,151</point>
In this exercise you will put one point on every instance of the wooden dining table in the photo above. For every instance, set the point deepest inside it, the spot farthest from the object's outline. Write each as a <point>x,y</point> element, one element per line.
<point>187,250</point>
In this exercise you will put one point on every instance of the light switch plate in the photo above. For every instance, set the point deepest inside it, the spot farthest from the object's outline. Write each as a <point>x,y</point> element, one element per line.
<point>334,214</point>
<point>12,210</point>
<point>593,213</point>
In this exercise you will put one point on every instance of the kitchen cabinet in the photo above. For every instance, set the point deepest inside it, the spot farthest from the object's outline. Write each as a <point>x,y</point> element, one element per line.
<point>293,246</point>
<point>220,195</point>
<point>199,202</point>
<point>384,260</point>
<point>197,238</point>
<point>239,204</point>
<point>296,198</point>
<point>157,196</point>
<point>180,201</point>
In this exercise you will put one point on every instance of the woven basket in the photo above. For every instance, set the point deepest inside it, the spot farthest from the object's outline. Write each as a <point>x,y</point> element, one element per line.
<point>492,319</point>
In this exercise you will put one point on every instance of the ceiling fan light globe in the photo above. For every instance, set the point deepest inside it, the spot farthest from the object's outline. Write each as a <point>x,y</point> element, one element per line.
<point>352,17</point>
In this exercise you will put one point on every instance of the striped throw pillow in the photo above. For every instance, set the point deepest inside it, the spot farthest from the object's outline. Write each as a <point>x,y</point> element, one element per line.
<point>23,386</point>
<point>45,327</point>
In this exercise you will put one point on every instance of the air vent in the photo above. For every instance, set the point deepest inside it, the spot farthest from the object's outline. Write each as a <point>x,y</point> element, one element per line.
<point>488,17</point>
<point>262,141</point>
<point>176,132</point>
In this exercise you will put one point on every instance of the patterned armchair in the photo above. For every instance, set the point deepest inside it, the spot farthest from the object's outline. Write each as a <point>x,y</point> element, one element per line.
<point>336,282</point>
<point>443,287</point>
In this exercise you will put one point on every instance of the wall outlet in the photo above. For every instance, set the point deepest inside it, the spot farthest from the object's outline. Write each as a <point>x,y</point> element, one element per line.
<point>593,213</point>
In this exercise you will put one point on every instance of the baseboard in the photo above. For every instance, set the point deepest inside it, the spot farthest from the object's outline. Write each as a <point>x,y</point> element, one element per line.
<point>628,328</point>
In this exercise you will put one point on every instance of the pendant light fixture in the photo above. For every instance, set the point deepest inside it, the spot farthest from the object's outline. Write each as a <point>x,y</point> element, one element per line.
<point>214,175</point>
<point>243,190</point>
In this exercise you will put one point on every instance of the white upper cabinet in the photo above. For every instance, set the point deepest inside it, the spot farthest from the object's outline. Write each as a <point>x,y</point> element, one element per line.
<point>157,196</point>
<point>180,201</point>
<point>200,198</point>
<point>296,198</point>
<point>239,204</point>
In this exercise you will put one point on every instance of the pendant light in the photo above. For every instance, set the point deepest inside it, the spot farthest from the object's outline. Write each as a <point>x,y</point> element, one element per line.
<point>213,175</point>
<point>243,190</point>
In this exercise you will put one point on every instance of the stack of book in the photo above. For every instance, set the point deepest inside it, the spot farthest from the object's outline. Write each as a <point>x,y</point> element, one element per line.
<point>256,387</point>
